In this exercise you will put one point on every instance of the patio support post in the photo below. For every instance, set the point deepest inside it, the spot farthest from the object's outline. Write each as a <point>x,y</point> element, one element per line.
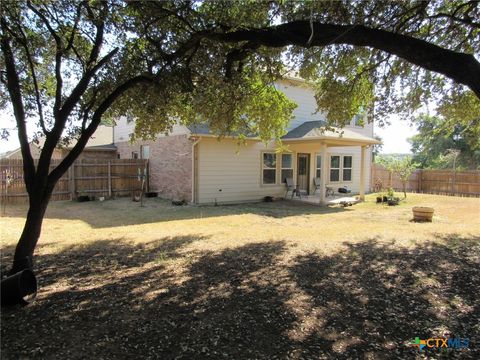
<point>362,173</point>
<point>323,173</point>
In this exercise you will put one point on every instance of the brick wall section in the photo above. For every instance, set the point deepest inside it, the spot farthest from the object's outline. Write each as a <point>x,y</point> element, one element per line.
<point>170,165</point>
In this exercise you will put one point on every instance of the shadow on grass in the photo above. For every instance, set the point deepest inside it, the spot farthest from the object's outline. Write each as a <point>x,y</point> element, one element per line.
<point>122,212</point>
<point>115,300</point>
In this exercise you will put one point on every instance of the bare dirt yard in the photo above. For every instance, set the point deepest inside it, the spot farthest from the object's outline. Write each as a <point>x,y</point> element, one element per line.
<point>277,280</point>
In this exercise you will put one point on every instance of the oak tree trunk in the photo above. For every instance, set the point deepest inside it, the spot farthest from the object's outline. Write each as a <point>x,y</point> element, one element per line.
<point>23,257</point>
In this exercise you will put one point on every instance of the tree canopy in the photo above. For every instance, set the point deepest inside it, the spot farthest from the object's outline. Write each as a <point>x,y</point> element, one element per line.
<point>433,146</point>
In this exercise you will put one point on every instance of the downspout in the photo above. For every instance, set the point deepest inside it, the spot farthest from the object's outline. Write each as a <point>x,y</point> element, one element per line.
<point>194,174</point>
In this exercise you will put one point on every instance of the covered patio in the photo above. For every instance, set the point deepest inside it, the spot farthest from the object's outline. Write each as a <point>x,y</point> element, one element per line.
<point>330,160</point>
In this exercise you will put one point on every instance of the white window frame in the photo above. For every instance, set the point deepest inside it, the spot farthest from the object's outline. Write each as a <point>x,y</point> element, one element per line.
<point>318,167</point>
<point>341,168</point>
<point>344,168</point>
<point>330,168</point>
<point>262,166</point>
<point>359,118</point>
<point>142,152</point>
<point>286,168</point>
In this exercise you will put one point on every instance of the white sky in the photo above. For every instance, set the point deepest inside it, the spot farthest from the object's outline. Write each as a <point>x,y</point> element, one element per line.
<point>395,135</point>
<point>7,121</point>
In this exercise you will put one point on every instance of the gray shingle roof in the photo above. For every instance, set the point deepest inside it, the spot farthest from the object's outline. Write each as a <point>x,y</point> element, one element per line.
<point>204,129</point>
<point>308,130</point>
<point>303,129</point>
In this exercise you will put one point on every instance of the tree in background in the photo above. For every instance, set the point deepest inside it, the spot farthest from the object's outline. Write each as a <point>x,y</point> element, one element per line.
<point>437,136</point>
<point>403,167</point>
<point>376,148</point>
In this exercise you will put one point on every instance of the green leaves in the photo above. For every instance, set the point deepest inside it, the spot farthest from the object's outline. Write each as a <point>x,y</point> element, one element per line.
<point>438,134</point>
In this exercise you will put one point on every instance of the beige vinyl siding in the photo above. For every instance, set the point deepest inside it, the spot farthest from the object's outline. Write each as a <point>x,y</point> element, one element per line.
<point>227,176</point>
<point>304,96</point>
<point>123,130</point>
<point>366,130</point>
<point>355,151</point>
<point>227,173</point>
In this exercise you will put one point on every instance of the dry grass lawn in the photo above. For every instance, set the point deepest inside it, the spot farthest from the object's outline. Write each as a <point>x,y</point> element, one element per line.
<point>270,280</point>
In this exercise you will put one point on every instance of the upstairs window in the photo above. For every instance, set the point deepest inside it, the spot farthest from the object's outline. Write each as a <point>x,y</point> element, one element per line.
<point>269,168</point>
<point>134,155</point>
<point>358,120</point>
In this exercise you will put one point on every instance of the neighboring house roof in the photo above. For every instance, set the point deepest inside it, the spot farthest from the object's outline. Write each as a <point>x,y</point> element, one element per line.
<point>108,147</point>
<point>102,136</point>
<point>101,140</point>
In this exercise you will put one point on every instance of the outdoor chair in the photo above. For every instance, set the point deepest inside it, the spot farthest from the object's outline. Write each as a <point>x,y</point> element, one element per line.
<point>290,187</point>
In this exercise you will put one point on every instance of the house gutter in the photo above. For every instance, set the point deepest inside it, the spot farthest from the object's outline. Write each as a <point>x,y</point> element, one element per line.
<point>194,175</point>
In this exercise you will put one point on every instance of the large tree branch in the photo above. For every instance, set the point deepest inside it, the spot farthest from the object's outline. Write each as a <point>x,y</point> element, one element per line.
<point>24,42</point>
<point>61,117</point>
<point>460,67</point>
<point>45,21</point>
<point>14,90</point>
<point>58,56</point>
<point>238,55</point>
<point>87,133</point>
<point>75,26</point>
<point>100,29</point>
<point>465,21</point>
<point>82,84</point>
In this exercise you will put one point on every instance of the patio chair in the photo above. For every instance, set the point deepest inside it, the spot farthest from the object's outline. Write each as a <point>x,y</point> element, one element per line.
<point>290,187</point>
<point>316,184</point>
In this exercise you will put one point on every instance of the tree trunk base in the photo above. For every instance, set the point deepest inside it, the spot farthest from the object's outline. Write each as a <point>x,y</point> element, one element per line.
<point>21,264</point>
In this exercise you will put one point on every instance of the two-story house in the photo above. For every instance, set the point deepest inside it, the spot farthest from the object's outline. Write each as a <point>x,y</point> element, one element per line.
<point>193,164</point>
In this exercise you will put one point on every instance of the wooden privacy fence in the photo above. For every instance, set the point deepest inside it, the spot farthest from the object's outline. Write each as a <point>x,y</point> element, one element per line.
<point>93,177</point>
<point>442,182</point>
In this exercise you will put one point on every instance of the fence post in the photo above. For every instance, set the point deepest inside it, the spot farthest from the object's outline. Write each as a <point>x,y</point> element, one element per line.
<point>71,180</point>
<point>109,179</point>
<point>420,183</point>
<point>148,175</point>
<point>372,177</point>
<point>454,180</point>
